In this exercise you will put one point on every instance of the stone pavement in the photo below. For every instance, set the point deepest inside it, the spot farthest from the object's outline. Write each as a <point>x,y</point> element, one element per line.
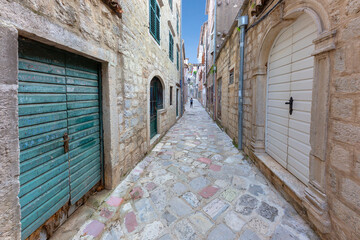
<point>195,185</point>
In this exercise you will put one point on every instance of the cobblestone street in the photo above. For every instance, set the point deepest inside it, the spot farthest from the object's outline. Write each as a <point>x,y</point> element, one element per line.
<point>195,185</point>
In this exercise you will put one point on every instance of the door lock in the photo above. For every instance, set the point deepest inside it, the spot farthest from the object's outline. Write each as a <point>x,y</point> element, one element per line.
<point>66,142</point>
<point>290,102</point>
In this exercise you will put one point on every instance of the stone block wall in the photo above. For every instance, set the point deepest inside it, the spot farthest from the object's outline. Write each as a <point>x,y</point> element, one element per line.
<point>9,153</point>
<point>335,140</point>
<point>227,61</point>
<point>130,58</point>
<point>343,168</point>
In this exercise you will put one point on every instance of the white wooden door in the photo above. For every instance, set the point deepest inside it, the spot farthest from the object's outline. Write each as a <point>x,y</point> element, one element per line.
<point>290,74</point>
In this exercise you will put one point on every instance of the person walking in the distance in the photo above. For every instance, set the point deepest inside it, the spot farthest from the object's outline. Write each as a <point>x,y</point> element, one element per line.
<point>191,103</point>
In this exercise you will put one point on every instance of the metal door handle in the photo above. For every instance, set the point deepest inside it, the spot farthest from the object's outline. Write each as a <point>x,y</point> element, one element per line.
<point>66,142</point>
<point>290,102</point>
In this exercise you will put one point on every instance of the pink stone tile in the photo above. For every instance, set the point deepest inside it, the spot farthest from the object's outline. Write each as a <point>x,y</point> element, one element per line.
<point>136,193</point>
<point>138,170</point>
<point>130,222</point>
<point>215,168</point>
<point>208,192</point>
<point>204,160</point>
<point>150,186</point>
<point>94,228</point>
<point>106,213</point>
<point>115,201</point>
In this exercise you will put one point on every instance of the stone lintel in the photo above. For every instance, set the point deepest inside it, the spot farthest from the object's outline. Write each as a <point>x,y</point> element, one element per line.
<point>171,28</point>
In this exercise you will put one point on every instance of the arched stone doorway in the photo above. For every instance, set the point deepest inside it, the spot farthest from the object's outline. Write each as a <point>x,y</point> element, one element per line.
<point>156,103</point>
<point>289,97</point>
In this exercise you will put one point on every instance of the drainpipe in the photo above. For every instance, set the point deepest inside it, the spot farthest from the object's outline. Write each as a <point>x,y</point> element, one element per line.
<point>242,23</point>
<point>214,62</point>
<point>181,66</point>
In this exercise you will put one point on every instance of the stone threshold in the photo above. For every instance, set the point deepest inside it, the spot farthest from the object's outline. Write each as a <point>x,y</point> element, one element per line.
<point>291,188</point>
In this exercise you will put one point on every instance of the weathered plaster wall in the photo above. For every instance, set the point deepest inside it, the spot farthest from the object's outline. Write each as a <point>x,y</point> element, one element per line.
<point>129,56</point>
<point>335,137</point>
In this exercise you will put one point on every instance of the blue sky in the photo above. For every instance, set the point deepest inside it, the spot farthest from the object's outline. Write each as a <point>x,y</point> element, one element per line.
<point>192,19</point>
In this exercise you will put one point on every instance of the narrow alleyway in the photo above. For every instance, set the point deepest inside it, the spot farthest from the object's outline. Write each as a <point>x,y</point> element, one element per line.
<point>196,185</point>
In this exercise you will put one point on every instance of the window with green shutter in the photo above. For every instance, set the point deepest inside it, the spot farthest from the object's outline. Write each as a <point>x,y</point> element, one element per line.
<point>177,22</point>
<point>154,21</point>
<point>171,4</point>
<point>171,47</point>
<point>177,60</point>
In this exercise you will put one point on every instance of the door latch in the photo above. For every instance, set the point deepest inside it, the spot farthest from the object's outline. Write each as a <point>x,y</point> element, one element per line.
<point>66,142</point>
<point>290,102</point>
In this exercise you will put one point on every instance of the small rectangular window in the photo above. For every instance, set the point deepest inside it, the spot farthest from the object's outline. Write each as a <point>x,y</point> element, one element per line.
<point>231,77</point>
<point>171,4</point>
<point>171,47</point>
<point>171,90</point>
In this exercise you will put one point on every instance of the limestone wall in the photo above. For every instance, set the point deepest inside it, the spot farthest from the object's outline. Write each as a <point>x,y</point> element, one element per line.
<point>130,58</point>
<point>228,61</point>
<point>331,199</point>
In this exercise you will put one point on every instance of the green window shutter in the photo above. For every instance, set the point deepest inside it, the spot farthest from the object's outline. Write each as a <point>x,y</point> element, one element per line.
<point>157,23</point>
<point>177,22</point>
<point>171,4</point>
<point>171,47</point>
<point>154,21</point>
<point>177,60</point>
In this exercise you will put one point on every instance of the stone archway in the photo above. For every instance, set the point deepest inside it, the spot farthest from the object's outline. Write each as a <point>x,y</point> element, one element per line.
<point>156,103</point>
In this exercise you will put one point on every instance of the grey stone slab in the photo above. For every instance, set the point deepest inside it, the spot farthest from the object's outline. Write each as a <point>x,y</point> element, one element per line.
<point>152,231</point>
<point>179,207</point>
<point>167,163</point>
<point>179,188</point>
<point>166,237</point>
<point>267,211</point>
<point>184,230</point>
<point>221,232</point>
<point>240,183</point>
<point>191,199</point>
<point>168,217</point>
<point>185,169</point>
<point>248,235</point>
<point>281,233</point>
<point>234,159</point>
<point>199,183</point>
<point>159,198</point>
<point>246,204</point>
<point>215,208</point>
<point>234,221</point>
<point>294,221</point>
<point>238,170</point>
<point>201,222</point>
<point>256,190</point>
<point>145,212</point>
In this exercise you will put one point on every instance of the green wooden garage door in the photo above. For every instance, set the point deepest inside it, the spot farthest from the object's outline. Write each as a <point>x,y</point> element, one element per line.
<point>58,94</point>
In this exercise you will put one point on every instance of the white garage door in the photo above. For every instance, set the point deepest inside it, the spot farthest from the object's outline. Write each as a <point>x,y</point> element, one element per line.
<point>290,74</point>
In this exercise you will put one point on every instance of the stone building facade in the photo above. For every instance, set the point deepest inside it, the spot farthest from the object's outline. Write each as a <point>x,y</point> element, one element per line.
<point>322,39</point>
<point>116,35</point>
